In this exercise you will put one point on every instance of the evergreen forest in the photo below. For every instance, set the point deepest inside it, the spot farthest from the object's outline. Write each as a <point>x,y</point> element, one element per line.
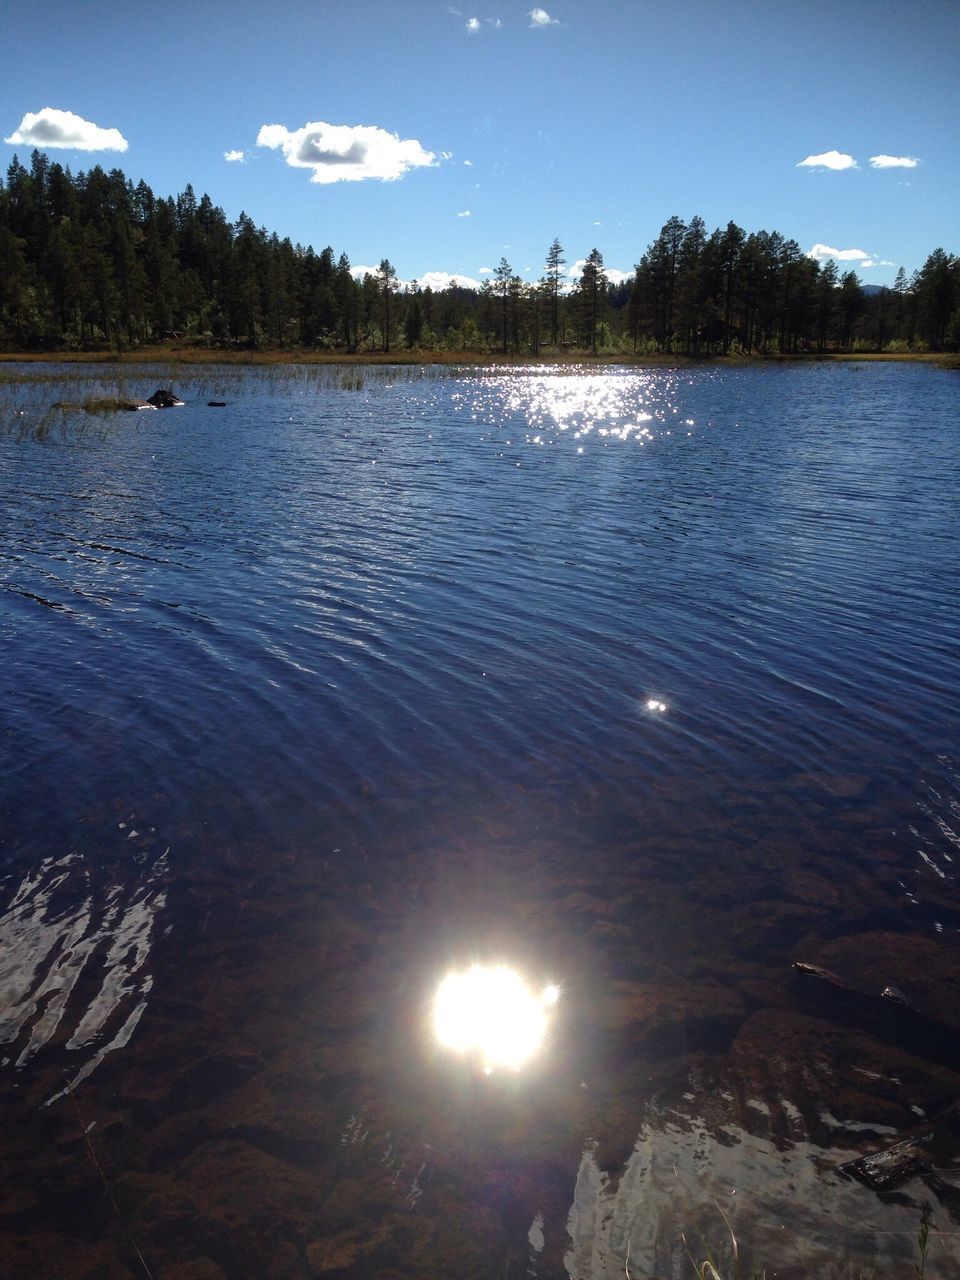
<point>93,261</point>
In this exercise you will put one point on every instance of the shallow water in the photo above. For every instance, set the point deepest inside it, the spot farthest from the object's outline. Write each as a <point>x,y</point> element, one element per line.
<point>643,681</point>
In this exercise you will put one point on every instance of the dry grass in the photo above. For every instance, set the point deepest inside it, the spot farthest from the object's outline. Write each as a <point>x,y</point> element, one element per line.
<point>173,353</point>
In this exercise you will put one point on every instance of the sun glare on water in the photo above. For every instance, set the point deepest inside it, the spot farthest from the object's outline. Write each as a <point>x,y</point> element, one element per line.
<point>491,1012</point>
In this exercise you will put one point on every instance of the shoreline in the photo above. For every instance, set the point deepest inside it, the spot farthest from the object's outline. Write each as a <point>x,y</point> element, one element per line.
<point>163,355</point>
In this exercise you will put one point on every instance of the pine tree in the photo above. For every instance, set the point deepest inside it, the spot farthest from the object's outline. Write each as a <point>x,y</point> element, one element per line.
<point>555,261</point>
<point>502,277</point>
<point>592,294</point>
<point>386,276</point>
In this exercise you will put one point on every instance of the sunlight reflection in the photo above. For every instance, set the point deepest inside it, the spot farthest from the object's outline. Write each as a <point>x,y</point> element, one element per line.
<point>603,407</point>
<point>582,401</point>
<point>491,1012</point>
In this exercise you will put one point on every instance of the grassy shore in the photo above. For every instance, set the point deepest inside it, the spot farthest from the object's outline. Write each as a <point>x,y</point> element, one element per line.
<point>174,353</point>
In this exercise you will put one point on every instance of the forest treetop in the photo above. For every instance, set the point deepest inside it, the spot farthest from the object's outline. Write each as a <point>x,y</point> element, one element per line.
<point>94,260</point>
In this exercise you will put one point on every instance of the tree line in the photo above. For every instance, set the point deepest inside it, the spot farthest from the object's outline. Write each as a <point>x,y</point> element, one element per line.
<point>92,261</point>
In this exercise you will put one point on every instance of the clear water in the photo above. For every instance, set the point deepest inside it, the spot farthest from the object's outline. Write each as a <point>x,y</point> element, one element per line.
<point>645,682</point>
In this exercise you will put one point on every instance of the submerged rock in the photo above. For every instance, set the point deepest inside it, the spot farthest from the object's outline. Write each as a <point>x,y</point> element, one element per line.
<point>918,1014</point>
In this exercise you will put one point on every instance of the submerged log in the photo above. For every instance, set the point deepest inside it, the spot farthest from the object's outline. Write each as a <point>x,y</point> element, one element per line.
<point>887,1170</point>
<point>925,1153</point>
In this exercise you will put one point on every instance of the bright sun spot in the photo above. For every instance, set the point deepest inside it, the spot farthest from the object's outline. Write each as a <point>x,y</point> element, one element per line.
<point>490,1011</point>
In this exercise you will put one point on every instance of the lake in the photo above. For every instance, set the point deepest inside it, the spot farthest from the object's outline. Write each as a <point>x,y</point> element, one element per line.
<point>643,683</point>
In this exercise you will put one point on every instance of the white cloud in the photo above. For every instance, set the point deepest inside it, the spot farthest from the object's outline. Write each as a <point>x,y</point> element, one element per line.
<point>473,25</point>
<point>234,157</point>
<point>464,213</point>
<point>877,262</point>
<point>52,128</point>
<point>828,160</point>
<point>823,252</point>
<point>468,163</point>
<point>346,153</point>
<point>614,274</point>
<point>540,18</point>
<point>437,280</point>
<point>893,162</point>
<point>485,271</point>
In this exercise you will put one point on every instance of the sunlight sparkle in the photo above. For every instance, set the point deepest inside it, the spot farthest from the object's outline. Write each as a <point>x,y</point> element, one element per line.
<point>490,1011</point>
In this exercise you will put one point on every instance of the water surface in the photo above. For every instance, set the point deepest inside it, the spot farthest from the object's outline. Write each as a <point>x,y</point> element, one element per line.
<point>642,681</point>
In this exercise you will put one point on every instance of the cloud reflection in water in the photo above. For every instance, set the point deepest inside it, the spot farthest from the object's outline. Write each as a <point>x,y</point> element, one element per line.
<point>62,935</point>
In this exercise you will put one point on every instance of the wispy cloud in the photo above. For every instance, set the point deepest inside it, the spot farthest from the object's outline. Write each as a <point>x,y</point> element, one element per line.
<point>52,128</point>
<point>893,162</point>
<point>475,25</point>
<point>235,157</point>
<point>828,160</point>
<point>346,153</point>
<point>540,18</point>
<point>823,252</point>
<point>877,262</point>
<point>464,213</point>
<point>485,271</point>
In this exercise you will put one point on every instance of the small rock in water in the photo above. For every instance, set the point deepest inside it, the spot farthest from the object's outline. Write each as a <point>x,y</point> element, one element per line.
<point>164,399</point>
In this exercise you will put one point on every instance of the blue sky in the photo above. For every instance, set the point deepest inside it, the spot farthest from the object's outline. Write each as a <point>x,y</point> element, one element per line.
<point>509,125</point>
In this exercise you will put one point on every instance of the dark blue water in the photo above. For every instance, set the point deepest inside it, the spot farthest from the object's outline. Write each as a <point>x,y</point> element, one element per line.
<point>653,672</point>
